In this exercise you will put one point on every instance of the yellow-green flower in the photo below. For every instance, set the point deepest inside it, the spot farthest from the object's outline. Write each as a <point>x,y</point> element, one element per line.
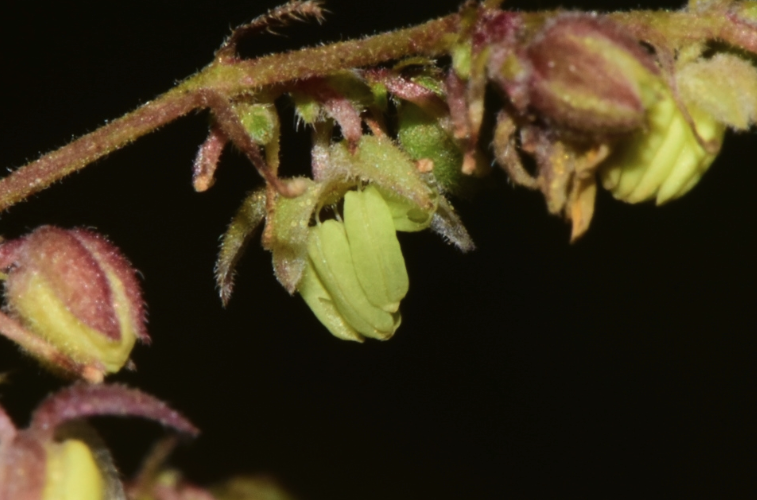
<point>356,275</point>
<point>664,160</point>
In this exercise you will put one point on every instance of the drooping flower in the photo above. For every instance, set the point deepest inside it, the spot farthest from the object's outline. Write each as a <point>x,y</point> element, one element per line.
<point>356,274</point>
<point>73,301</point>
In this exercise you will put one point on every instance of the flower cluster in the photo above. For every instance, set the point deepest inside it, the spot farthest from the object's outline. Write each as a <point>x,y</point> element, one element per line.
<point>335,241</point>
<point>589,100</point>
<point>582,97</point>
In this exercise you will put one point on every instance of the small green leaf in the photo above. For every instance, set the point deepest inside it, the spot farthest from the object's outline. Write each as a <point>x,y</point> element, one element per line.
<point>379,161</point>
<point>406,215</point>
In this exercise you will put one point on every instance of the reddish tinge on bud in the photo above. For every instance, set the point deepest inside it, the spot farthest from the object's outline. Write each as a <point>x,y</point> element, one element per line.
<point>60,457</point>
<point>75,291</point>
<point>588,75</point>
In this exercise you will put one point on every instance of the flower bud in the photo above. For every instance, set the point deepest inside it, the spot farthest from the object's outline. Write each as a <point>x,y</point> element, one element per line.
<point>72,472</point>
<point>59,456</point>
<point>423,136</point>
<point>588,75</point>
<point>356,276</point>
<point>75,291</point>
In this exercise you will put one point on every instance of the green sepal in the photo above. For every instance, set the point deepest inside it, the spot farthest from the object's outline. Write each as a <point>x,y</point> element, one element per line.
<point>462,59</point>
<point>235,240</point>
<point>380,96</point>
<point>432,83</point>
<point>448,225</point>
<point>376,254</point>
<point>349,85</point>
<point>287,227</point>
<point>406,215</point>
<point>424,72</point>
<point>306,107</point>
<point>379,161</point>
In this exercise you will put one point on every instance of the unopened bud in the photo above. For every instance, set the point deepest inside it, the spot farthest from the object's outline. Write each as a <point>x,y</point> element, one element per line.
<point>60,457</point>
<point>72,472</point>
<point>588,75</point>
<point>77,292</point>
<point>356,274</point>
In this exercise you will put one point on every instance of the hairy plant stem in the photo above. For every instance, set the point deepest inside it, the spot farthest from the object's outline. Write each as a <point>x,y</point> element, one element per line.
<point>228,78</point>
<point>234,77</point>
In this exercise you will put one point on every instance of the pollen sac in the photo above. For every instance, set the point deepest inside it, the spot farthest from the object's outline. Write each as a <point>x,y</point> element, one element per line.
<point>75,291</point>
<point>665,160</point>
<point>356,276</point>
<point>588,75</point>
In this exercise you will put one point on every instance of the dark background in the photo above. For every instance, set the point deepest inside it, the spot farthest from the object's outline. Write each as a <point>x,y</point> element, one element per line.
<point>618,367</point>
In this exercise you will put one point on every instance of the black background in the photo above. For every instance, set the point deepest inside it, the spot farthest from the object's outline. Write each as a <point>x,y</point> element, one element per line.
<point>621,366</point>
